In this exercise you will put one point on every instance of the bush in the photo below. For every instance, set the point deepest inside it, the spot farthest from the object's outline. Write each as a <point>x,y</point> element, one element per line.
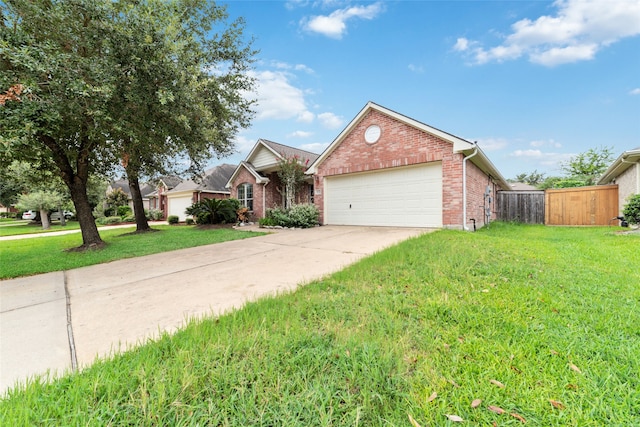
<point>300,216</point>
<point>173,219</point>
<point>267,222</point>
<point>124,211</point>
<point>109,220</point>
<point>154,214</point>
<point>189,221</point>
<point>631,210</point>
<point>214,211</point>
<point>130,218</point>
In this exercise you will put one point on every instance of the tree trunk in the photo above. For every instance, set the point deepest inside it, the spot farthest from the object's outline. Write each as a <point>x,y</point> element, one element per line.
<point>138,206</point>
<point>90,235</point>
<point>77,184</point>
<point>44,217</point>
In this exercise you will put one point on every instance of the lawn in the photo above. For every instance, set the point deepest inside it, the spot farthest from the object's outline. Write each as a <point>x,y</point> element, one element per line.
<point>44,254</point>
<point>13,227</point>
<point>508,325</point>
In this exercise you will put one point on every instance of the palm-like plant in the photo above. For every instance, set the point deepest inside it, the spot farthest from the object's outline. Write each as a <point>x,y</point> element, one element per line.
<point>212,211</point>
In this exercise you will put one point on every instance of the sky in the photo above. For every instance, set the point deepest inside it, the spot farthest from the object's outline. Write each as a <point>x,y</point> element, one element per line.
<point>532,82</point>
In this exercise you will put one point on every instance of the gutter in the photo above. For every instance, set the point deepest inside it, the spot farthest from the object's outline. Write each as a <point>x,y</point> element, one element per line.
<point>464,186</point>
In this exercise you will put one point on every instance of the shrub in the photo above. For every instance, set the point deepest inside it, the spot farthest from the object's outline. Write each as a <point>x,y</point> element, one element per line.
<point>154,214</point>
<point>213,211</point>
<point>129,218</point>
<point>267,222</point>
<point>301,216</point>
<point>109,220</point>
<point>124,211</point>
<point>189,221</point>
<point>173,219</point>
<point>631,210</point>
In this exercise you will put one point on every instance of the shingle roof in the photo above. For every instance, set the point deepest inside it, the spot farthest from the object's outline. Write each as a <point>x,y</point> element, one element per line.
<point>213,180</point>
<point>286,151</point>
<point>123,184</point>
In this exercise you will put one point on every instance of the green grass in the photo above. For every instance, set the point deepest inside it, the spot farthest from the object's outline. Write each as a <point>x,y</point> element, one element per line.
<point>13,229</point>
<point>444,313</point>
<point>26,257</point>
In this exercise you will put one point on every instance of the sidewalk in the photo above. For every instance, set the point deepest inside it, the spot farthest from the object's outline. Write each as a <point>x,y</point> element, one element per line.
<point>75,230</point>
<point>61,320</point>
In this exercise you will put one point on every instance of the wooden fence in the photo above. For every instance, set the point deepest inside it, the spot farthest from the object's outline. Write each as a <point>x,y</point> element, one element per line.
<point>596,205</point>
<point>521,206</point>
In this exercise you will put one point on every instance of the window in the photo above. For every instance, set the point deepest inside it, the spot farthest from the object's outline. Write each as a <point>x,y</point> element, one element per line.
<point>245,195</point>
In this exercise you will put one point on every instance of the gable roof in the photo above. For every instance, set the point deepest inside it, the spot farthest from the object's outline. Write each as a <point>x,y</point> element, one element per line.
<point>275,153</point>
<point>621,164</point>
<point>213,181</point>
<point>285,151</point>
<point>123,184</point>
<point>460,145</point>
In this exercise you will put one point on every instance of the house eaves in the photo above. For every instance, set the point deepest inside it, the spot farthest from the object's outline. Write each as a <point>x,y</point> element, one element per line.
<point>621,164</point>
<point>460,145</point>
<point>249,167</point>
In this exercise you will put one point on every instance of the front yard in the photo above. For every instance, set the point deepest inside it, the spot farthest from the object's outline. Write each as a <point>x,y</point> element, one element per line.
<point>508,325</point>
<point>26,257</point>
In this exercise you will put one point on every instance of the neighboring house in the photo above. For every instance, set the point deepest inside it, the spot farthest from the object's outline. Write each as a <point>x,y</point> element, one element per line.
<point>123,184</point>
<point>158,198</point>
<point>522,186</point>
<point>210,186</point>
<point>255,181</point>
<point>386,169</point>
<point>624,171</point>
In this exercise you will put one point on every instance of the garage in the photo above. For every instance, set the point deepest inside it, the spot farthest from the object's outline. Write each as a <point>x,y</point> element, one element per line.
<point>400,197</point>
<point>178,203</point>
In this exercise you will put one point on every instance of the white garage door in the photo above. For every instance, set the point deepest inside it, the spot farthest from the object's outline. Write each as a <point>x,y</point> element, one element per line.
<point>177,205</point>
<point>401,197</point>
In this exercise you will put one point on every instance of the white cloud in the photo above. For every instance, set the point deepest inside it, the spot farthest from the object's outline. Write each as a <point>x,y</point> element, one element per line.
<point>461,45</point>
<point>330,120</point>
<point>243,144</point>
<point>416,68</point>
<point>278,98</point>
<point>300,134</point>
<point>635,91</point>
<point>577,32</point>
<point>548,160</point>
<point>547,143</point>
<point>334,25</point>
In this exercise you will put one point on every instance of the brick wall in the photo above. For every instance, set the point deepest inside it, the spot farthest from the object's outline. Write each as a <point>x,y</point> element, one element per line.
<point>477,182</point>
<point>403,145</point>
<point>244,176</point>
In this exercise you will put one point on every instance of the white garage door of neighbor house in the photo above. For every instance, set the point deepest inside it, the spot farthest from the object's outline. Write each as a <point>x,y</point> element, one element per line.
<point>400,197</point>
<point>177,206</point>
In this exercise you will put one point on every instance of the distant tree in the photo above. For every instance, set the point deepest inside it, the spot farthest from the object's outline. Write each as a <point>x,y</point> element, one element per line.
<point>42,201</point>
<point>589,165</point>
<point>115,199</point>
<point>532,178</point>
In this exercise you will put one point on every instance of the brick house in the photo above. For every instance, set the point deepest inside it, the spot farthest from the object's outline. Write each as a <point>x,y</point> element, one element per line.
<point>386,169</point>
<point>158,198</point>
<point>255,181</point>
<point>210,186</point>
<point>624,171</point>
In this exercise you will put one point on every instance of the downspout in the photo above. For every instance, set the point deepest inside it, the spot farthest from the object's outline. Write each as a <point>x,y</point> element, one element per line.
<point>464,187</point>
<point>264,199</point>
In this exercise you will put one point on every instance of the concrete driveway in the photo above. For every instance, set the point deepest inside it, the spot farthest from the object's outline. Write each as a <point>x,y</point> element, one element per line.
<point>62,321</point>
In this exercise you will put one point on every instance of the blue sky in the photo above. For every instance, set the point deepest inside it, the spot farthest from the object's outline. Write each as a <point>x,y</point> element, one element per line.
<point>533,82</point>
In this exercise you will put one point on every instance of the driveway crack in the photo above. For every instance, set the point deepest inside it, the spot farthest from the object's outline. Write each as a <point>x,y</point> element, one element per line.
<point>72,344</point>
